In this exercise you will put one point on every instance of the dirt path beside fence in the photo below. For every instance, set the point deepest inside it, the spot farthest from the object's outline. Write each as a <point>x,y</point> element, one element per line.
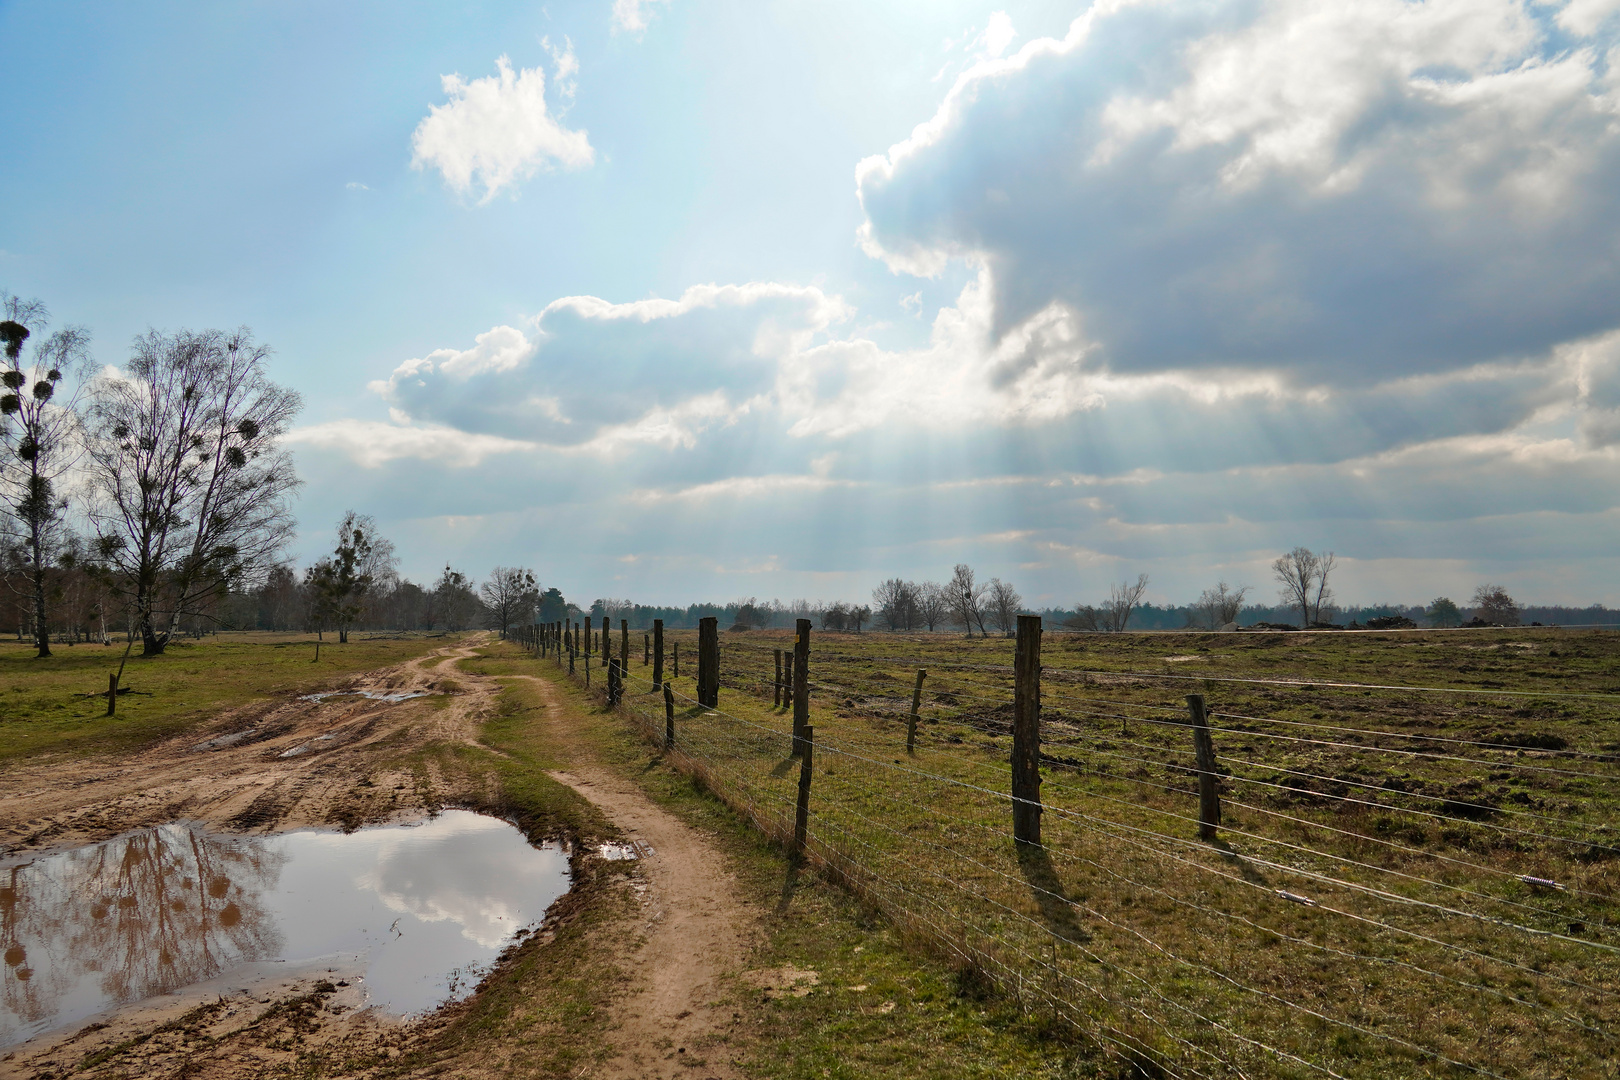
<point>696,934</point>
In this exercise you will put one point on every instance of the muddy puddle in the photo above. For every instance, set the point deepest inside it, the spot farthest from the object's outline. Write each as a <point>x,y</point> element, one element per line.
<point>416,913</point>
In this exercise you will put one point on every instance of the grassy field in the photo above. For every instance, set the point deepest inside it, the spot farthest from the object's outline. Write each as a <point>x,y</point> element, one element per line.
<point>60,703</point>
<point>1375,905</point>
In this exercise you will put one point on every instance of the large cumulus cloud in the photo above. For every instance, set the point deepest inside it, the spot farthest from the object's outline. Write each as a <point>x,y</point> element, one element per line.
<point>1347,191</point>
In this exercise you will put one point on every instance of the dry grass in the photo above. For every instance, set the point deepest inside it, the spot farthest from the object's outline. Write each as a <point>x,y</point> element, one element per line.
<point>1422,943</point>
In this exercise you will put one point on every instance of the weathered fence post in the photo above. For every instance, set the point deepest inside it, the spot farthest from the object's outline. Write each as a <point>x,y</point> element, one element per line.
<point>916,703</point>
<point>607,639</point>
<point>646,648</point>
<point>1026,752</point>
<point>658,654</point>
<point>590,633</point>
<point>112,692</point>
<point>708,679</point>
<point>1209,790</point>
<point>669,716</point>
<point>804,744</point>
<point>801,684</point>
<point>573,647</point>
<point>613,683</point>
<point>624,649</point>
<point>776,687</point>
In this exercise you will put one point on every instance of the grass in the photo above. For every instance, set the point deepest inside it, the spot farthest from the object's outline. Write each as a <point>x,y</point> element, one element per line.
<point>1422,942</point>
<point>884,1006</point>
<point>59,704</point>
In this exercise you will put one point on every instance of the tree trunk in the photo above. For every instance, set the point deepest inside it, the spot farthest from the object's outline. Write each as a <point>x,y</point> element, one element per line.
<point>42,628</point>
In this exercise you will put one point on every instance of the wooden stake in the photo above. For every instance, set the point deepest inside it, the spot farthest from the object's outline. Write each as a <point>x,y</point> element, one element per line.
<point>669,716</point>
<point>1026,753</point>
<point>658,654</point>
<point>801,682</point>
<point>804,746</point>
<point>916,703</point>
<point>112,693</point>
<point>776,698</point>
<point>708,680</point>
<point>1209,790</point>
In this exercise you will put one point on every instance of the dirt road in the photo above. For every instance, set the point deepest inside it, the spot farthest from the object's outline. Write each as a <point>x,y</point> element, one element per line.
<point>341,761</point>
<point>698,929</point>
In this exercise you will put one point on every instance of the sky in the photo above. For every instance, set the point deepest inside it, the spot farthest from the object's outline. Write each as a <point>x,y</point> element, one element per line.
<point>677,300</point>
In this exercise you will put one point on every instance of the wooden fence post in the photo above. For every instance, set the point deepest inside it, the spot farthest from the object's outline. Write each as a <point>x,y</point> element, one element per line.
<point>669,716</point>
<point>801,687</point>
<point>589,634</point>
<point>1209,790</point>
<point>1026,753</point>
<point>573,643</point>
<point>916,703</point>
<point>624,650</point>
<point>776,697</point>
<point>708,680</point>
<point>112,692</point>
<point>658,654</point>
<point>646,648</point>
<point>607,639</point>
<point>804,745</point>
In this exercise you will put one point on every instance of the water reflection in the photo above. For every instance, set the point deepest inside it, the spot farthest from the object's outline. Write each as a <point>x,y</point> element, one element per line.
<point>419,908</point>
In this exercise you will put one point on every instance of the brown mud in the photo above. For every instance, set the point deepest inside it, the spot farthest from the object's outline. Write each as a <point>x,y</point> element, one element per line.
<point>287,763</point>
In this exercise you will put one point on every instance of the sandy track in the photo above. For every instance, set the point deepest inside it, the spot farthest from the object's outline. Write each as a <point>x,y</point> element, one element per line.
<point>243,782</point>
<point>697,934</point>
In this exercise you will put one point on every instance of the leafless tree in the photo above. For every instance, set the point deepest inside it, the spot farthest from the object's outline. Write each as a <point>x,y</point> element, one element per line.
<point>511,595</point>
<point>1122,599</point>
<point>858,614</point>
<point>1220,606</point>
<point>1493,604</point>
<point>966,599</point>
<point>1003,605</point>
<point>39,440</point>
<point>362,563</point>
<point>933,603</point>
<point>454,602</point>
<point>896,603</point>
<point>1303,575</point>
<point>189,483</point>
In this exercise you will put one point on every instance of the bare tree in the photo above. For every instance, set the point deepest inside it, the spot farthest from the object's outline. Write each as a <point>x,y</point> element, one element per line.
<point>1122,599</point>
<point>511,595</point>
<point>189,484</point>
<point>1492,604</point>
<point>362,561</point>
<point>896,603</point>
<point>454,602</point>
<point>1003,605</point>
<point>1220,606</point>
<point>933,603</point>
<point>39,440</point>
<point>858,614</point>
<point>966,599</point>
<point>1303,575</point>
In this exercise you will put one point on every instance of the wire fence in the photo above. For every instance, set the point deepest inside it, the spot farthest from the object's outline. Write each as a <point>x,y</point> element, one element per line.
<point>1406,879</point>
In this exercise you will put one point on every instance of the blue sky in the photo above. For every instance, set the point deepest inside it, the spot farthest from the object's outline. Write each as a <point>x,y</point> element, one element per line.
<point>677,300</point>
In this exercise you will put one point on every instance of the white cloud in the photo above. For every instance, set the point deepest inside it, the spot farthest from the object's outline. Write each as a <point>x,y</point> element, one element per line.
<point>369,443</point>
<point>1349,190</point>
<point>497,131</point>
<point>998,33</point>
<point>632,16</point>
<point>355,185</point>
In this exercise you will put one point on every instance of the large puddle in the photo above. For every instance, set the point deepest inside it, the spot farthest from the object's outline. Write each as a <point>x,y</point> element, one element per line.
<point>419,910</point>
